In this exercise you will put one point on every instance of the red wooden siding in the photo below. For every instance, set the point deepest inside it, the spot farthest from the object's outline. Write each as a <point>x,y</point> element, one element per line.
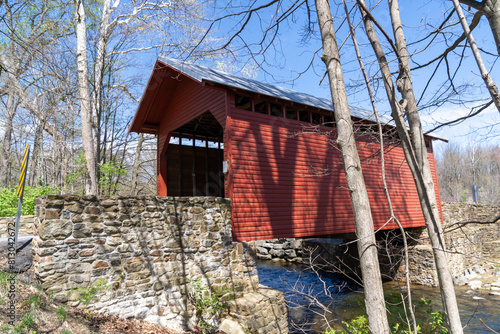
<point>190,100</point>
<point>283,182</point>
<point>276,194</point>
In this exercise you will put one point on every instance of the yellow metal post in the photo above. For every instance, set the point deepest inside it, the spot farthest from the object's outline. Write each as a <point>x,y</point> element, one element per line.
<point>20,191</point>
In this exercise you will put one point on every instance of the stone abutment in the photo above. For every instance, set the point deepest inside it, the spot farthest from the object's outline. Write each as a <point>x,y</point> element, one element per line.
<point>156,259</point>
<point>472,235</point>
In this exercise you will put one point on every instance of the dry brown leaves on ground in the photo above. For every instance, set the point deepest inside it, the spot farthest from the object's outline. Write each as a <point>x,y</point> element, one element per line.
<point>101,323</point>
<point>38,312</point>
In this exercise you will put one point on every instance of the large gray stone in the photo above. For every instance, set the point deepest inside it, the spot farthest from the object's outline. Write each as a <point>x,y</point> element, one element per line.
<point>475,285</point>
<point>55,229</point>
<point>460,280</point>
<point>230,326</point>
<point>277,253</point>
<point>23,259</point>
<point>262,250</point>
<point>290,253</point>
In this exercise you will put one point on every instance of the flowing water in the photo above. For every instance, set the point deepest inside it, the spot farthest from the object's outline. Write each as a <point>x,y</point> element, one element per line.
<point>303,289</point>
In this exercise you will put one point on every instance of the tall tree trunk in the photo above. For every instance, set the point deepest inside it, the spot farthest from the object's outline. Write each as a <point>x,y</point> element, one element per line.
<point>491,9</point>
<point>408,309</point>
<point>428,200</point>
<point>60,152</point>
<point>56,166</point>
<point>85,106</point>
<point>64,166</point>
<point>8,63</point>
<point>490,84</point>
<point>122,160</point>
<point>5,155</point>
<point>104,31</point>
<point>35,156</point>
<point>370,270</point>
<point>415,153</point>
<point>137,162</point>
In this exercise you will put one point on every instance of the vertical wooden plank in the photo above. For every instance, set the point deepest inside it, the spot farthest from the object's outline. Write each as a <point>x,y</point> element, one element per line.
<point>193,171</point>
<point>206,168</point>
<point>220,180</point>
<point>228,184</point>
<point>181,185</point>
<point>161,171</point>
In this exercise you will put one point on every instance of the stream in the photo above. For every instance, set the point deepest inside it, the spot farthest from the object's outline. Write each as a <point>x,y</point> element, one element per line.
<point>346,302</point>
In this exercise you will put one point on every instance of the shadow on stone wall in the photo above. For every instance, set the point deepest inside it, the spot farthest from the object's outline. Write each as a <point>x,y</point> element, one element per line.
<point>150,253</point>
<point>472,235</point>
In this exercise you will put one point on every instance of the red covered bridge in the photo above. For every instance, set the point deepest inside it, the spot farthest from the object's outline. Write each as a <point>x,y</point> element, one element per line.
<point>271,150</point>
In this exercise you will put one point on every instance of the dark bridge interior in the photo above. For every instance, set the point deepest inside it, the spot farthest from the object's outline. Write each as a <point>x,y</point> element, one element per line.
<point>194,158</point>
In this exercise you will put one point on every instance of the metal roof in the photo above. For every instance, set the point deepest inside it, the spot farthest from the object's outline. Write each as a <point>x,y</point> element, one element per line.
<point>201,73</point>
<point>205,74</point>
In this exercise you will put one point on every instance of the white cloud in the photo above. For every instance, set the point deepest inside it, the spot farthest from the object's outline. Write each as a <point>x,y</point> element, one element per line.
<point>484,127</point>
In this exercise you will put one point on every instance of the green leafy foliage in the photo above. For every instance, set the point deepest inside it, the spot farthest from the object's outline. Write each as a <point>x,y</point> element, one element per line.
<point>26,322</point>
<point>209,304</point>
<point>33,300</point>
<point>432,321</point>
<point>4,279</point>
<point>8,200</point>
<point>4,285</point>
<point>109,174</point>
<point>356,325</point>
<point>77,178</point>
<point>61,313</point>
<point>89,294</point>
<point>435,319</point>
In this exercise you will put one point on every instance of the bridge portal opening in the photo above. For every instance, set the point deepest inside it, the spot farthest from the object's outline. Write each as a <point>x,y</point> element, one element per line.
<point>194,158</point>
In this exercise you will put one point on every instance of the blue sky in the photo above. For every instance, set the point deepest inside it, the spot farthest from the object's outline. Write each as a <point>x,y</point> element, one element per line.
<point>290,54</point>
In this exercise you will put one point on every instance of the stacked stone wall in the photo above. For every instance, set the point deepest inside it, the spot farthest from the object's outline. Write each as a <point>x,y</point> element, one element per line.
<point>258,312</point>
<point>25,225</point>
<point>472,235</point>
<point>150,252</point>
<point>286,249</point>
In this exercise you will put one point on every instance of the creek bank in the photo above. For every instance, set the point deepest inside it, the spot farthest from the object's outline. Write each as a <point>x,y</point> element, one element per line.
<point>346,302</point>
<point>472,235</point>
<point>480,278</point>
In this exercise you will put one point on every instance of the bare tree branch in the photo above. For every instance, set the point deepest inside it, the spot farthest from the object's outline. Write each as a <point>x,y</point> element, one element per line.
<point>458,120</point>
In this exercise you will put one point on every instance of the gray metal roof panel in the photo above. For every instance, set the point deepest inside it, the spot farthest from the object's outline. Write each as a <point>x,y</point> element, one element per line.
<point>202,73</point>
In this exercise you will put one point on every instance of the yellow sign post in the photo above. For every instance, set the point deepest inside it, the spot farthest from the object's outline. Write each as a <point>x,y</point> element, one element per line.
<point>20,190</point>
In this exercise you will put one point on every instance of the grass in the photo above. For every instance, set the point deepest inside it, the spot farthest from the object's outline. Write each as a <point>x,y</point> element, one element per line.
<point>37,313</point>
<point>61,313</point>
<point>26,323</point>
<point>33,300</point>
<point>4,279</point>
